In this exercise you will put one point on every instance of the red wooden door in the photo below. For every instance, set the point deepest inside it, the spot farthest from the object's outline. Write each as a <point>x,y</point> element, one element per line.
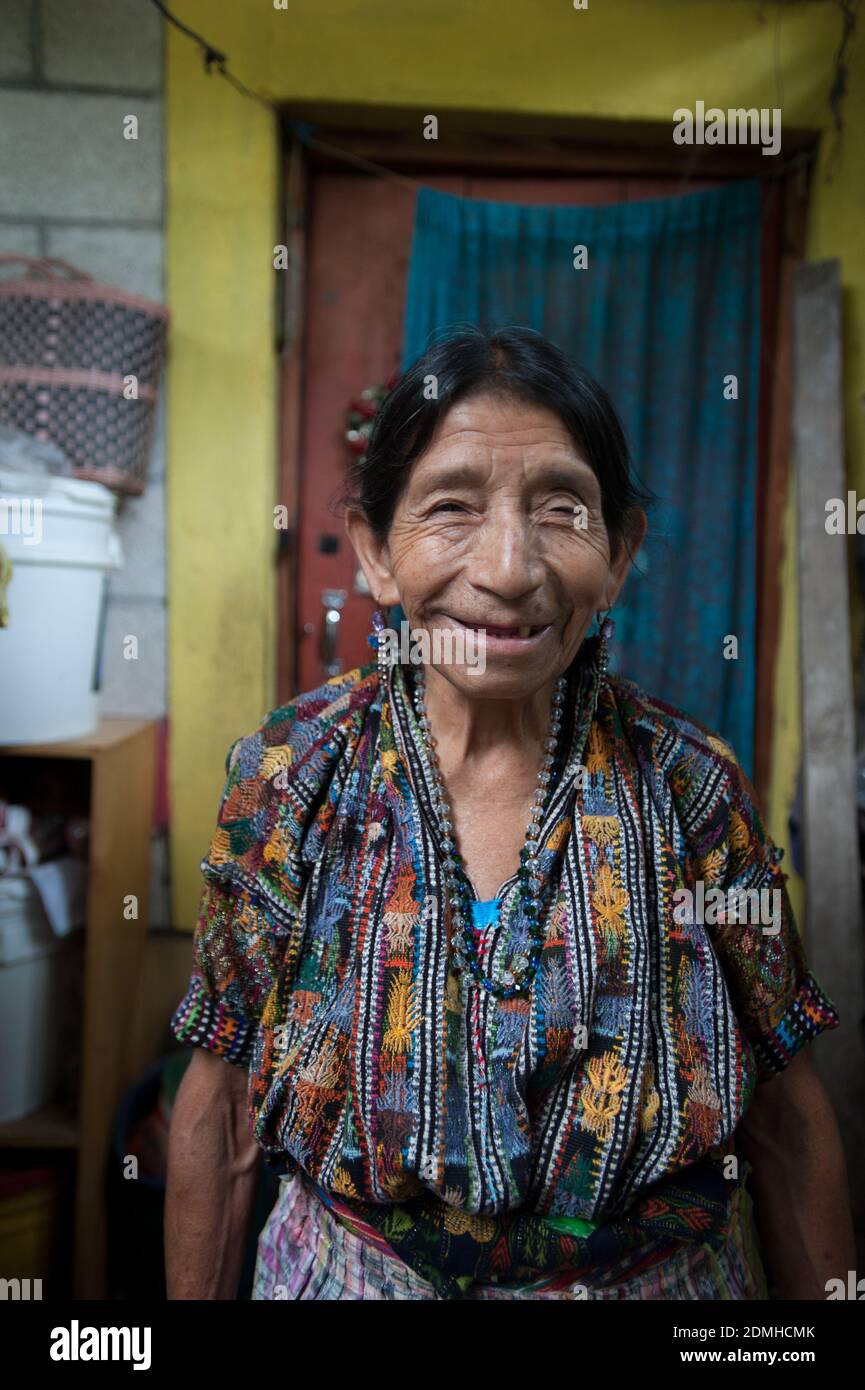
<point>359,241</point>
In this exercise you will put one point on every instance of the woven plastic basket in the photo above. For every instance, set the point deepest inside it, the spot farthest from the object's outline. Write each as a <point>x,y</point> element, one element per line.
<point>80,365</point>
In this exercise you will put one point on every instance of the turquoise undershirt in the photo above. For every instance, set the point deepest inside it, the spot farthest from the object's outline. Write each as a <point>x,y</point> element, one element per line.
<point>484,913</point>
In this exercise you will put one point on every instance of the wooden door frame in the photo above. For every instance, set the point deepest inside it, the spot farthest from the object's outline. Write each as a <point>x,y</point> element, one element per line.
<point>291,319</point>
<point>785,203</point>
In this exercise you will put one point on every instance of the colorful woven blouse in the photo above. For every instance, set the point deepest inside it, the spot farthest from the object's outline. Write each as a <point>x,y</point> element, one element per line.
<point>322,963</point>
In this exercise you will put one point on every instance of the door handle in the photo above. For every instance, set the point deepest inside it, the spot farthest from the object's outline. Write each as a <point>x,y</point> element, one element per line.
<point>333,601</point>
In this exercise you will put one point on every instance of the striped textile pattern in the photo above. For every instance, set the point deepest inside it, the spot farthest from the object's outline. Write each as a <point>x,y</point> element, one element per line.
<point>322,964</point>
<point>305,1253</point>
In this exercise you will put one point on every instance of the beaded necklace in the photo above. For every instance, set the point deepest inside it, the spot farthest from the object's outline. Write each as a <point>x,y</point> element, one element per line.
<point>467,957</point>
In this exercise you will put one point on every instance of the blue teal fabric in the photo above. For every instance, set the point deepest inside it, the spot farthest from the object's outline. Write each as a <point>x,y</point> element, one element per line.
<point>668,307</point>
<point>485,914</point>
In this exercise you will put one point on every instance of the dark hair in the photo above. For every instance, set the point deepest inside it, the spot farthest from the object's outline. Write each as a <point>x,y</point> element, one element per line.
<point>517,363</point>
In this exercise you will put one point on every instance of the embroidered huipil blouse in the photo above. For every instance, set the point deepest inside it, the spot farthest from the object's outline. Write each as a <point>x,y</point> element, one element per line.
<point>322,960</point>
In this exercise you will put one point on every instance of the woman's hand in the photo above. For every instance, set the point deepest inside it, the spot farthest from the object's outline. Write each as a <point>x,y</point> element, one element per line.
<point>790,1137</point>
<point>212,1175</point>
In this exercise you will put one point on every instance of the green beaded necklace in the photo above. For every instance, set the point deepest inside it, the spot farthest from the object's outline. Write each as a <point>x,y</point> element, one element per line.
<point>465,945</point>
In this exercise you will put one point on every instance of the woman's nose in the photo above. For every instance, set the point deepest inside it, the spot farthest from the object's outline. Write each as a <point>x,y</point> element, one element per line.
<point>504,557</point>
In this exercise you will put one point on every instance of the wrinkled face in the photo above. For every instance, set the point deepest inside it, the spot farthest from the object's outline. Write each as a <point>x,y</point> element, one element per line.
<point>499,528</point>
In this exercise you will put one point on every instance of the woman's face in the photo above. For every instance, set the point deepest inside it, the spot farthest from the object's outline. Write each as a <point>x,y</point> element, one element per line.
<point>498,536</point>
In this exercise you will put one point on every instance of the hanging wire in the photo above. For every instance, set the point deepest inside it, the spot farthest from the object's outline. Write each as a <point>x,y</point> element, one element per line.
<point>303,132</point>
<point>211,55</point>
<point>214,58</point>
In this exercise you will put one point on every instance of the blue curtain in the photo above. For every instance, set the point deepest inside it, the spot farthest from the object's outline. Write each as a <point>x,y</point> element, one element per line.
<point>666,311</point>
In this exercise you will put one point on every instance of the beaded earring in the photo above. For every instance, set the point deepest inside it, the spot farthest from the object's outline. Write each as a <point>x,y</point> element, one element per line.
<point>606,629</point>
<point>377,640</point>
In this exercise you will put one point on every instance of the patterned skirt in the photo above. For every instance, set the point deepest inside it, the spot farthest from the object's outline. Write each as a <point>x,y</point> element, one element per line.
<point>304,1252</point>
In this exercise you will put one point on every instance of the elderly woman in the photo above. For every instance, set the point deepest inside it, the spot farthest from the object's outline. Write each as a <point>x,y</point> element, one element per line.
<point>446,973</point>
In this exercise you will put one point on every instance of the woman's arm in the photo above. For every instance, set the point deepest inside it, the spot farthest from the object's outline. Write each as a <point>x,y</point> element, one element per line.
<point>212,1175</point>
<point>790,1137</point>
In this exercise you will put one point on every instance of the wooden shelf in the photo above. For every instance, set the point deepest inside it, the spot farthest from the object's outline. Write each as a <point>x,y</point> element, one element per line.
<point>122,758</point>
<point>49,1128</point>
<point>108,734</point>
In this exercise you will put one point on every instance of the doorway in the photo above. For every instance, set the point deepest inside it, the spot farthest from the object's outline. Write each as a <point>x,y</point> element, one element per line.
<point>352,232</point>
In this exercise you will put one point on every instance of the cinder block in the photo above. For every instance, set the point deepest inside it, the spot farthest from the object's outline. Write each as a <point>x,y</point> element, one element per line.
<point>102,43</point>
<point>135,688</point>
<point>141,528</point>
<point>16,58</point>
<point>18,238</point>
<point>123,256</point>
<point>64,156</point>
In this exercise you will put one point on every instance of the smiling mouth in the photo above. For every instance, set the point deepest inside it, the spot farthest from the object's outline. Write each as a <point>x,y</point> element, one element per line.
<point>515,633</point>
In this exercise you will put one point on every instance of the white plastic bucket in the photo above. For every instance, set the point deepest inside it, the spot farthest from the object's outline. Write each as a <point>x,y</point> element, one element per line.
<point>59,534</point>
<point>31,995</point>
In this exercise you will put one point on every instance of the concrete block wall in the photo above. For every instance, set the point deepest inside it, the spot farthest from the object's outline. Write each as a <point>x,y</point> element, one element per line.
<point>72,186</point>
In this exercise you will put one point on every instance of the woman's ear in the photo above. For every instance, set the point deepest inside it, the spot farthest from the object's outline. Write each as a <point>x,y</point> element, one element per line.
<point>626,553</point>
<point>373,558</point>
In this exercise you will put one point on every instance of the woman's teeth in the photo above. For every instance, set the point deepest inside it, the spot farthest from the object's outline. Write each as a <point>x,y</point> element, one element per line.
<point>525,631</point>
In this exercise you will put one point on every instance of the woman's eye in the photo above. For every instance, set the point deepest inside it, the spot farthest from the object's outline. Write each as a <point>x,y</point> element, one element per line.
<point>444,506</point>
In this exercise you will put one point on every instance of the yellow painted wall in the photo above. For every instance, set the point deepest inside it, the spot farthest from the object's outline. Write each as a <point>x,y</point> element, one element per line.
<point>628,60</point>
<point>221,155</point>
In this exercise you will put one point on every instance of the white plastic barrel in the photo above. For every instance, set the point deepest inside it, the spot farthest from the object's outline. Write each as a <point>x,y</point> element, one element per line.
<point>59,534</point>
<point>31,994</point>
